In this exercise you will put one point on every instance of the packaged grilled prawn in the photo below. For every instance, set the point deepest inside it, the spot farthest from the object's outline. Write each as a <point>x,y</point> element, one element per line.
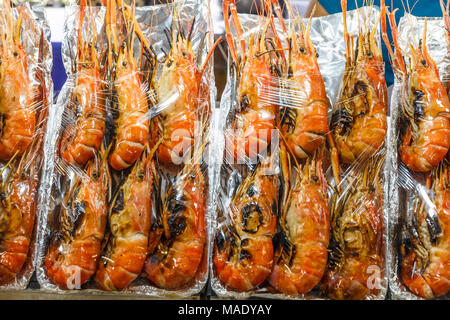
<point>302,181</point>
<point>419,264</point>
<point>26,90</point>
<point>128,209</point>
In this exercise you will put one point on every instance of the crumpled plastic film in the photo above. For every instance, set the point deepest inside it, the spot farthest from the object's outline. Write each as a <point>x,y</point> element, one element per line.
<point>156,23</point>
<point>234,180</point>
<point>408,187</point>
<point>24,198</point>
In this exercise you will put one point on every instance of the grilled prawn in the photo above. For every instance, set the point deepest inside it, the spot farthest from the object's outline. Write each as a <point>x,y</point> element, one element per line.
<point>17,215</point>
<point>176,245</point>
<point>243,249</point>
<point>425,104</point>
<point>356,245</point>
<point>182,86</point>
<point>129,221</point>
<point>301,251</point>
<point>132,124</point>
<point>253,119</point>
<point>74,250</point>
<point>358,122</point>
<point>17,212</point>
<point>19,192</point>
<point>304,120</point>
<point>425,247</point>
<point>81,140</point>
<point>18,106</point>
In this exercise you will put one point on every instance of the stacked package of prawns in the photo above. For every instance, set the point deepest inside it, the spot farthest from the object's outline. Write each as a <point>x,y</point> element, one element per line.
<point>420,247</point>
<point>25,97</point>
<point>302,190</point>
<point>128,205</point>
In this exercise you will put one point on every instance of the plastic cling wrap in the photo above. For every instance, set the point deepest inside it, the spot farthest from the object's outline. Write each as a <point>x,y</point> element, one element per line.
<point>279,226</point>
<point>128,209</point>
<point>26,90</point>
<point>419,263</point>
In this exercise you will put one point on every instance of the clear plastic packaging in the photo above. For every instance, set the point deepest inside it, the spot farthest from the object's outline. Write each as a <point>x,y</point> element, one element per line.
<point>268,204</point>
<point>26,92</point>
<point>418,260</point>
<point>147,183</point>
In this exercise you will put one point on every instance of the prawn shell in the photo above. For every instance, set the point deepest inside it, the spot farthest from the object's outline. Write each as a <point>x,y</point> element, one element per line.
<point>245,263</point>
<point>127,248</point>
<point>176,261</point>
<point>17,103</point>
<point>73,259</point>
<point>15,243</point>
<point>308,224</point>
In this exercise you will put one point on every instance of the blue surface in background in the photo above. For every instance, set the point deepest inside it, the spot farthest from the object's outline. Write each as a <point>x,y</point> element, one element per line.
<point>58,72</point>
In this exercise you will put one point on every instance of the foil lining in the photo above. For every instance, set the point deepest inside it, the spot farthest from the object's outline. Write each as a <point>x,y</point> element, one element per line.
<point>410,29</point>
<point>153,20</point>
<point>34,21</point>
<point>327,37</point>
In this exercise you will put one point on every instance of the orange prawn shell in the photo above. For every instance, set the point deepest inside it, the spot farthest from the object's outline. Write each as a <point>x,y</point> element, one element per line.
<point>440,256</point>
<point>356,267</point>
<point>15,245</point>
<point>368,132</point>
<point>310,101</point>
<point>254,124</point>
<point>180,72</point>
<point>237,277</point>
<point>433,280</point>
<point>351,280</point>
<point>180,79</point>
<point>433,146</point>
<point>245,274</point>
<point>425,103</point>
<point>16,102</point>
<point>364,94</point>
<point>177,266</point>
<point>266,187</point>
<point>308,224</point>
<point>81,141</point>
<point>130,227</point>
<point>79,255</point>
<point>133,122</point>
